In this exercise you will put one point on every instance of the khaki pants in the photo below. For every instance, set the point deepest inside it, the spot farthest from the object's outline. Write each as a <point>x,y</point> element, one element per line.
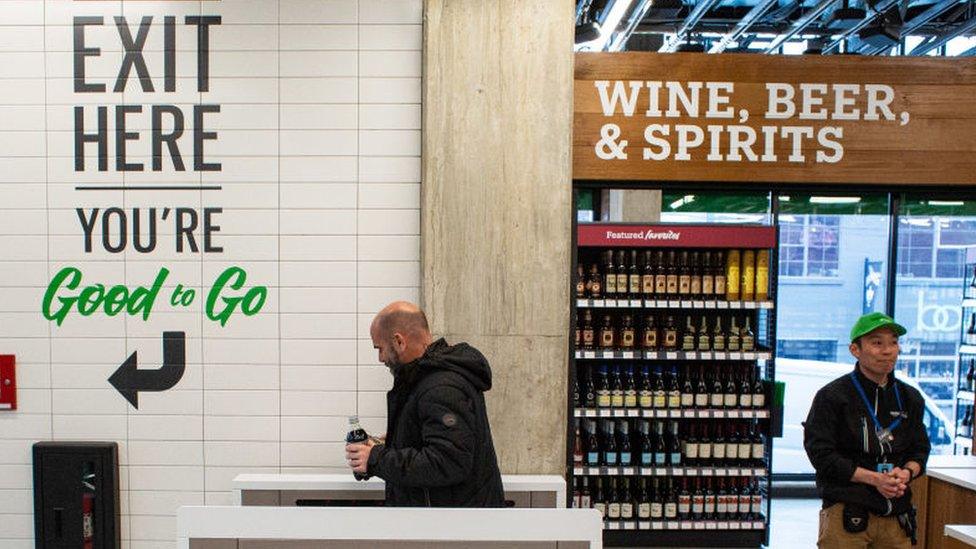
<point>882,532</point>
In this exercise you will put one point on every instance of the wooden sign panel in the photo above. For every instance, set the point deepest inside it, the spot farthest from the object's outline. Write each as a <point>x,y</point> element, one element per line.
<point>741,117</point>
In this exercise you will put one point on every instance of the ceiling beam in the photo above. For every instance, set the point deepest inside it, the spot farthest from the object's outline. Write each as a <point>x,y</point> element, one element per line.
<point>636,16</point>
<point>801,23</point>
<point>878,9</point>
<point>696,15</point>
<point>942,39</point>
<point>747,21</point>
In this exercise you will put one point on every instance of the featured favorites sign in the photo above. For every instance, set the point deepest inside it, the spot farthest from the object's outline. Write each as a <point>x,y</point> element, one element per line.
<point>816,119</point>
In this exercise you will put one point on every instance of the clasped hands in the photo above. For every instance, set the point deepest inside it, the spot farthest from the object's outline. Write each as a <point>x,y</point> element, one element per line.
<point>893,483</point>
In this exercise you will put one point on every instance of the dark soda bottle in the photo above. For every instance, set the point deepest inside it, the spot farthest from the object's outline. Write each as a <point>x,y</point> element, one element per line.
<point>356,434</point>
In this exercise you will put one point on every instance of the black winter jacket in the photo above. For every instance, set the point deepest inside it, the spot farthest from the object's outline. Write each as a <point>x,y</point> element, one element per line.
<point>439,451</point>
<point>839,436</point>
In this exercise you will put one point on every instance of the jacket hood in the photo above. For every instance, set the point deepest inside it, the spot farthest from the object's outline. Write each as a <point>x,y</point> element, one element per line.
<point>461,359</point>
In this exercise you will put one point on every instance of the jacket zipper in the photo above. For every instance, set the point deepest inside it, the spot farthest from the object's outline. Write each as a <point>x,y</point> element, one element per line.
<point>864,433</point>
<point>427,496</point>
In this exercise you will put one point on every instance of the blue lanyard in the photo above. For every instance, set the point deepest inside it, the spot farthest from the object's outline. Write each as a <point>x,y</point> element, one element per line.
<point>867,403</point>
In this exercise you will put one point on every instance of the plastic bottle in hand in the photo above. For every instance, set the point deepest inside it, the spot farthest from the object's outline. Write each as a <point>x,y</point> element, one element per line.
<point>356,434</point>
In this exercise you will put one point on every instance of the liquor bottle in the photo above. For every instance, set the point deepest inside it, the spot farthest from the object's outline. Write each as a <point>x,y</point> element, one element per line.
<point>970,338</point>
<point>707,277</point>
<point>580,282</point>
<point>645,444</point>
<point>748,338</point>
<point>674,390</point>
<point>745,389</point>
<point>622,276</point>
<point>623,444</point>
<point>646,395</point>
<point>578,343</point>
<point>688,338</point>
<point>671,501</point>
<point>966,427</point>
<point>758,390</point>
<point>748,270</point>
<point>588,333</point>
<point>595,282</point>
<point>608,334</point>
<point>972,284</point>
<point>589,391</point>
<point>657,500</point>
<point>609,275</point>
<point>709,501</point>
<point>630,387</point>
<point>657,443</point>
<point>684,501</point>
<point>356,434</point>
<point>660,392</point>
<point>704,447</point>
<point>718,447</point>
<point>762,275</point>
<point>626,500</point>
<point>577,489</point>
<point>649,336</point>
<point>734,340</point>
<point>643,500</point>
<point>755,504</point>
<point>616,388</point>
<point>670,335</point>
<point>733,500</point>
<point>602,387</point>
<point>613,501</point>
<point>673,444</point>
<point>718,336</point>
<point>599,501</point>
<point>610,455</point>
<point>731,398</point>
<point>732,446</point>
<point>627,333</point>
<point>577,394</point>
<point>634,277</point>
<point>732,276</point>
<point>690,447</point>
<point>660,277</point>
<point>671,271</point>
<point>585,501</point>
<point>717,396</point>
<point>718,272</point>
<point>592,445</point>
<point>698,501</point>
<point>758,453</point>
<point>745,500</point>
<point>721,501</point>
<point>647,277</point>
<point>684,277</point>
<point>696,276</point>
<point>687,390</point>
<point>971,375</point>
<point>704,337</point>
<point>701,389</point>
<point>578,447</point>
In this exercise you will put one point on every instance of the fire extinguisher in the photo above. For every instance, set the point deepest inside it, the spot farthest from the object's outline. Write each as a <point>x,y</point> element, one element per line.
<point>88,520</point>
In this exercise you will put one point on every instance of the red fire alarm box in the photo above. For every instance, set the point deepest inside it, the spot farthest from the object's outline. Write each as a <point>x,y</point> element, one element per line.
<point>8,383</point>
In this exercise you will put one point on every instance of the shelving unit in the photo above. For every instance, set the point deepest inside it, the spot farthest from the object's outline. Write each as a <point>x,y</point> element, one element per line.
<point>966,367</point>
<point>628,358</point>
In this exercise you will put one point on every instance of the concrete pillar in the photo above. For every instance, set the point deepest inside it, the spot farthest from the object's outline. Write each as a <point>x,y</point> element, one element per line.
<point>496,214</point>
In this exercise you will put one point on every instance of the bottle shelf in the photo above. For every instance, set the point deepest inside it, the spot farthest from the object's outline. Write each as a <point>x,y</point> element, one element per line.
<point>671,413</point>
<point>964,395</point>
<point>968,349</point>
<point>717,471</point>
<point>674,355</point>
<point>671,304</point>
<point>684,525</point>
<point>969,302</point>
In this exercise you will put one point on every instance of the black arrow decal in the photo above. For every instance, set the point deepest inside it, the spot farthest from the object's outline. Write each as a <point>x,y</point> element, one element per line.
<point>130,380</point>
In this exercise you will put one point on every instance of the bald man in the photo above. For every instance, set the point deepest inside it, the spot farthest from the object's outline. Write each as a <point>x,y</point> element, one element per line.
<point>438,450</point>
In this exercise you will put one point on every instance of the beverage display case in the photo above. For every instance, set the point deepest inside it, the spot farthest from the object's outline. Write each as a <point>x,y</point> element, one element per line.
<point>966,370</point>
<point>671,377</point>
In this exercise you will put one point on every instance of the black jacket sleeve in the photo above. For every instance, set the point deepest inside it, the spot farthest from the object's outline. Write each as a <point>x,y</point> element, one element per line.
<point>446,457</point>
<point>920,447</point>
<point>819,439</point>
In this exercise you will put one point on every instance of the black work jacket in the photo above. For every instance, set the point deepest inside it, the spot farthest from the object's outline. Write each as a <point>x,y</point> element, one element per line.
<point>439,451</point>
<point>839,435</point>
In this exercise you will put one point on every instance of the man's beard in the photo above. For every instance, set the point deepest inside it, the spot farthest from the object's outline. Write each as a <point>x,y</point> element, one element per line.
<point>393,364</point>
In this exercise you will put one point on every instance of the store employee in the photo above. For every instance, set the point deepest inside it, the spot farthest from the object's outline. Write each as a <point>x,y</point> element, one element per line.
<point>865,437</point>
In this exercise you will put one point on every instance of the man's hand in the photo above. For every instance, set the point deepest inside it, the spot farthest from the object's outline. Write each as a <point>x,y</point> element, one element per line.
<point>357,455</point>
<point>890,485</point>
<point>903,475</point>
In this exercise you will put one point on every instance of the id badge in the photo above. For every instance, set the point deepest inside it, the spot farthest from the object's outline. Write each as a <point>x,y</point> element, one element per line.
<point>885,467</point>
<point>885,436</point>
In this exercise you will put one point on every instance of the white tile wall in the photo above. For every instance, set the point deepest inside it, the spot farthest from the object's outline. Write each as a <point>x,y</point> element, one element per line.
<point>319,142</point>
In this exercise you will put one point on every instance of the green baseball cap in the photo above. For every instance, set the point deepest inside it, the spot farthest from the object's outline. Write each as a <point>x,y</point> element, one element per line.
<point>871,322</point>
